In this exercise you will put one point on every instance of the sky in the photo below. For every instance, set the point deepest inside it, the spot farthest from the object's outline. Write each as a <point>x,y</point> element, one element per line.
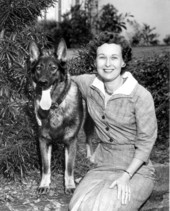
<point>155,13</point>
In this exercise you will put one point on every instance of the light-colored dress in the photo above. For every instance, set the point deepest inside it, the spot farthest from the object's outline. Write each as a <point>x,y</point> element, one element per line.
<point>127,128</point>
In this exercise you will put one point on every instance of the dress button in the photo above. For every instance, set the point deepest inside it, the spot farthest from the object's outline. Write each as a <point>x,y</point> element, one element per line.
<point>111,140</point>
<point>107,128</point>
<point>103,117</point>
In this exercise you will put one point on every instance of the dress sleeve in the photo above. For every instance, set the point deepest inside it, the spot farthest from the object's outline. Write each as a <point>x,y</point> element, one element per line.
<point>146,126</point>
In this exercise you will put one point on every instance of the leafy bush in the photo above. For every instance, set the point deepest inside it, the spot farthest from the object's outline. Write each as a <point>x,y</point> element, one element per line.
<point>153,73</point>
<point>16,15</point>
<point>18,153</point>
<point>74,28</point>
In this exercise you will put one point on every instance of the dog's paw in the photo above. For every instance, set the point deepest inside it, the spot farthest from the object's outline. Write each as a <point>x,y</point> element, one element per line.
<point>69,191</point>
<point>43,190</point>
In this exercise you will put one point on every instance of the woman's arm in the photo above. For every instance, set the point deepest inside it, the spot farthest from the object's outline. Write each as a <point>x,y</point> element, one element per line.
<point>133,167</point>
<point>146,123</point>
<point>146,135</point>
<point>83,82</point>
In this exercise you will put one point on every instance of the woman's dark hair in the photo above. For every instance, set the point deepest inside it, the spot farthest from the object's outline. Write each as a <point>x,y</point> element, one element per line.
<point>109,37</point>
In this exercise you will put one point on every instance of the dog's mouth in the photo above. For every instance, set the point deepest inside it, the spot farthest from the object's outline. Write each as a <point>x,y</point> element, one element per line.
<point>46,101</point>
<point>43,85</point>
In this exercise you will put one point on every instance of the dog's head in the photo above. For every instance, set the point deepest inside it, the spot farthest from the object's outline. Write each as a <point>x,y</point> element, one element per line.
<point>47,67</point>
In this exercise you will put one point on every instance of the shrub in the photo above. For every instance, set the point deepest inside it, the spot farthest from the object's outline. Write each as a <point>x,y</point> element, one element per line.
<point>18,151</point>
<point>153,73</point>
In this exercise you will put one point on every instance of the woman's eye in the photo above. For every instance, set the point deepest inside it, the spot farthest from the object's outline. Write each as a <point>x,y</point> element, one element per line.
<point>113,58</point>
<point>102,57</point>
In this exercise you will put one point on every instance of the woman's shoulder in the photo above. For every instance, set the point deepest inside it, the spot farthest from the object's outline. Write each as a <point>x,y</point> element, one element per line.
<point>142,93</point>
<point>84,78</point>
<point>84,81</point>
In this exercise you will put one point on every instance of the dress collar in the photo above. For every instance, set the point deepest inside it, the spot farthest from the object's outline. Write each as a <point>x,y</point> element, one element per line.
<point>126,88</point>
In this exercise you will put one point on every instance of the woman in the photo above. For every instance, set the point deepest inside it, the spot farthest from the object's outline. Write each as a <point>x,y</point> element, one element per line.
<point>124,116</point>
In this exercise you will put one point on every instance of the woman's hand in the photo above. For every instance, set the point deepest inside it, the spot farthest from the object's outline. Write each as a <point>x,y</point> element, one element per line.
<point>123,187</point>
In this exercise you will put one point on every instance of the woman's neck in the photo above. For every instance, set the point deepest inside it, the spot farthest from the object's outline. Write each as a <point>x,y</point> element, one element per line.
<point>112,86</point>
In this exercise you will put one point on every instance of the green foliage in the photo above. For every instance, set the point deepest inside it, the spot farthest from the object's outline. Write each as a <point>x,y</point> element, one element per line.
<point>74,28</point>
<point>77,27</point>
<point>16,14</point>
<point>83,63</point>
<point>50,31</point>
<point>143,35</point>
<point>18,151</point>
<point>153,73</point>
<point>18,140</point>
<point>110,20</point>
<point>167,39</point>
<point>78,24</point>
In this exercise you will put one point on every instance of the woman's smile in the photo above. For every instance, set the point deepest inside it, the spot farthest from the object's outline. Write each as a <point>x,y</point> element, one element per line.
<point>108,70</point>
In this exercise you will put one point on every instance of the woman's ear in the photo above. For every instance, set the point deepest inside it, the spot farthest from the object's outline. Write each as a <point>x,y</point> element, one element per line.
<point>123,65</point>
<point>95,63</point>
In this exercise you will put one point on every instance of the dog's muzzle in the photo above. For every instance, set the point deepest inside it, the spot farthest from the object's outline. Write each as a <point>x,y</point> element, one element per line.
<point>43,83</point>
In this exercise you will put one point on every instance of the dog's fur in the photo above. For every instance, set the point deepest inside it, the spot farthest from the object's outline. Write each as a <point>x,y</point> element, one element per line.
<point>58,110</point>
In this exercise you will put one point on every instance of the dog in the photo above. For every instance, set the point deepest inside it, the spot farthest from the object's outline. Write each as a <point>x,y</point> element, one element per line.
<point>58,110</point>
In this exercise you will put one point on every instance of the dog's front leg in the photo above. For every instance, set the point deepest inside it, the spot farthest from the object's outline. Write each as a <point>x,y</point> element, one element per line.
<point>89,131</point>
<point>70,155</point>
<point>45,150</point>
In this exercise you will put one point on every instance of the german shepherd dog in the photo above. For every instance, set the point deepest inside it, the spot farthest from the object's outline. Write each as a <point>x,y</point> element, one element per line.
<point>58,110</point>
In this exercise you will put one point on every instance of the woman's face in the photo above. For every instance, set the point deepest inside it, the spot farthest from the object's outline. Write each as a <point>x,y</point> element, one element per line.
<point>109,61</point>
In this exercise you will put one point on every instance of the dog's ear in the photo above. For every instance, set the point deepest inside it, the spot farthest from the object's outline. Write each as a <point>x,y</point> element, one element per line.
<point>61,51</point>
<point>33,52</point>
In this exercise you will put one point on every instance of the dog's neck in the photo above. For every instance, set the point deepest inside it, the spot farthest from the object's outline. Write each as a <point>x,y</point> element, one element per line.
<point>55,95</point>
<point>59,91</point>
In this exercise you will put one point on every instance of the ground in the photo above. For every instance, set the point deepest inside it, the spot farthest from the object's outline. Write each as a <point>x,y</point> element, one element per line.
<point>23,196</point>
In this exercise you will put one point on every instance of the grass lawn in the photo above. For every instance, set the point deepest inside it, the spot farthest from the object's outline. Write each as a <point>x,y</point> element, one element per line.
<point>143,52</point>
<point>138,52</point>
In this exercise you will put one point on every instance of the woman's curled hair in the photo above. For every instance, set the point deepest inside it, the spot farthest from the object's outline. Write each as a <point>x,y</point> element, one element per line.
<point>106,37</point>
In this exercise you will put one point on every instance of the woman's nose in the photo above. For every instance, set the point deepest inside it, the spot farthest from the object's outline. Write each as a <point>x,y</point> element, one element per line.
<point>107,62</point>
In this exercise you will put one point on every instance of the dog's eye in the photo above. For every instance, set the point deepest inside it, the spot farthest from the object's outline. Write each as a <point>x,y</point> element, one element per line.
<point>38,68</point>
<point>53,69</point>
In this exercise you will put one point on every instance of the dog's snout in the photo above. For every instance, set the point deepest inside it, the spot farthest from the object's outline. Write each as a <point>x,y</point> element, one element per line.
<point>43,82</point>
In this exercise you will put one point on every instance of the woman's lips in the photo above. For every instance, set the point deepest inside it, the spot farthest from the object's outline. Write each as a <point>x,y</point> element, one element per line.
<point>108,70</point>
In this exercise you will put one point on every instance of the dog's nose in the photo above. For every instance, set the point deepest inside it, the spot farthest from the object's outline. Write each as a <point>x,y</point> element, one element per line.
<point>43,82</point>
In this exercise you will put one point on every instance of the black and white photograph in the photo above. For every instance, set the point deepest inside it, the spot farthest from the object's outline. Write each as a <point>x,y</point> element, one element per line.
<point>84,105</point>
